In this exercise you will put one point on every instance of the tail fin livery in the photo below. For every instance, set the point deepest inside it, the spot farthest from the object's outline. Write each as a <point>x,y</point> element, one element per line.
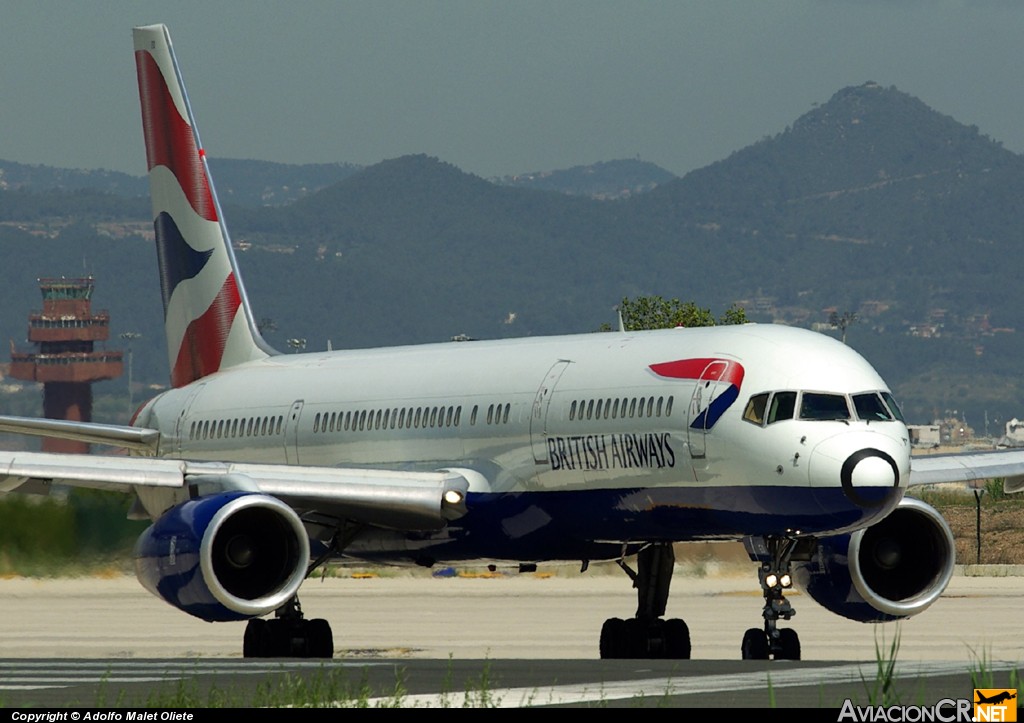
<point>207,319</point>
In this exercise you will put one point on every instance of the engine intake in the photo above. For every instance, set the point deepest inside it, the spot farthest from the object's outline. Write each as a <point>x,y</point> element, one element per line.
<point>230,556</point>
<point>889,571</point>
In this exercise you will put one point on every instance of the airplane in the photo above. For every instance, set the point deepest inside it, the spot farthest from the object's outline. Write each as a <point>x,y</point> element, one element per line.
<point>256,468</point>
<point>996,699</point>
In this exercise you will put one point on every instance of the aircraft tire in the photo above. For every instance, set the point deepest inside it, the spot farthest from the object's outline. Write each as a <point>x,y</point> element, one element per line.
<point>319,639</point>
<point>677,639</point>
<point>789,644</point>
<point>613,639</point>
<point>254,641</point>
<point>755,645</point>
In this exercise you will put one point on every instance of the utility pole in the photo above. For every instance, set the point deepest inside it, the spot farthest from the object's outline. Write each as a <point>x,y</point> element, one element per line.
<point>129,337</point>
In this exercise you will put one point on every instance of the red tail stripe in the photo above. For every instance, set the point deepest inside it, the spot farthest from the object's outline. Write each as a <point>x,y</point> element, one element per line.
<point>202,348</point>
<point>169,139</point>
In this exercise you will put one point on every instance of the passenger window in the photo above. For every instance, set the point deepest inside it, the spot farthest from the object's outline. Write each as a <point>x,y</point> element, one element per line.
<point>490,413</point>
<point>472,416</point>
<point>782,407</point>
<point>658,410</point>
<point>668,407</point>
<point>823,407</point>
<point>754,413</point>
<point>572,411</point>
<point>871,408</point>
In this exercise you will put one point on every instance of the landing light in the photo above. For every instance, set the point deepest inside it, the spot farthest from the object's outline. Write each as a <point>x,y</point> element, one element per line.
<point>773,580</point>
<point>453,497</point>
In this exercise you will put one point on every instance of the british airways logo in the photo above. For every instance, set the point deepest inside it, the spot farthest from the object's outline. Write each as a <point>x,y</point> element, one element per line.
<point>718,386</point>
<point>611,451</point>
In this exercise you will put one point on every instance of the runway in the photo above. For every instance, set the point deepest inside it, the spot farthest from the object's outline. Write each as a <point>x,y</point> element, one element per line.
<point>424,641</point>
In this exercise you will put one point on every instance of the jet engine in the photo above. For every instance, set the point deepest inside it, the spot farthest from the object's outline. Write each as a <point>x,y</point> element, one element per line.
<point>889,571</point>
<point>230,556</point>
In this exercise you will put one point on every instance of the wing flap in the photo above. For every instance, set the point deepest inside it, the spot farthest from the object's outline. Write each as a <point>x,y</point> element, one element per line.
<point>86,470</point>
<point>386,498</point>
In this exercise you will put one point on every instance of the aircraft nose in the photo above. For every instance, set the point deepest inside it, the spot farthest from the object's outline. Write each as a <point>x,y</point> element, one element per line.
<point>868,468</point>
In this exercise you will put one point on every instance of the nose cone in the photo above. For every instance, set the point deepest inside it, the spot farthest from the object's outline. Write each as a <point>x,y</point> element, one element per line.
<point>859,470</point>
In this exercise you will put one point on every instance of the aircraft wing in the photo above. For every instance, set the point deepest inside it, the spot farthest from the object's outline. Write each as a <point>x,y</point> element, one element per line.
<point>960,467</point>
<point>393,499</point>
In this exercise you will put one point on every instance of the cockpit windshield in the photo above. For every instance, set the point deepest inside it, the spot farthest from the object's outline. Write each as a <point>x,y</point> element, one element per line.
<point>815,405</point>
<point>871,408</point>
<point>769,407</point>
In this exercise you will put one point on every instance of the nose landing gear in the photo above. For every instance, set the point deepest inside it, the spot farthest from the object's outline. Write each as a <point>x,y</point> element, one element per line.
<point>775,576</point>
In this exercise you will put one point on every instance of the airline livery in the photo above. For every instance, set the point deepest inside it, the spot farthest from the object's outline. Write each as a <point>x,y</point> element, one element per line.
<point>256,468</point>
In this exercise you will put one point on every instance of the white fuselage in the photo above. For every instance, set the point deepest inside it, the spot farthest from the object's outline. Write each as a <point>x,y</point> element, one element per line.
<point>580,423</point>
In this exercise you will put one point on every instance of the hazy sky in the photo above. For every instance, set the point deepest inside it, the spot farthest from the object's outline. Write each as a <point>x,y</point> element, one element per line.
<point>494,87</point>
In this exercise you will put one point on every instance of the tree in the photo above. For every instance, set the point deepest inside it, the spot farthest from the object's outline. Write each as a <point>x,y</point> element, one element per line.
<point>842,322</point>
<point>654,312</point>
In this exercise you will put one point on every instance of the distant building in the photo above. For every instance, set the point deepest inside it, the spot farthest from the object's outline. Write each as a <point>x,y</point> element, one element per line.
<point>65,362</point>
<point>1014,434</point>
<point>925,435</point>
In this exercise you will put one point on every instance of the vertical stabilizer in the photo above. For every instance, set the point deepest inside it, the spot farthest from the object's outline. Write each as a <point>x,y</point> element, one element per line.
<point>207,318</point>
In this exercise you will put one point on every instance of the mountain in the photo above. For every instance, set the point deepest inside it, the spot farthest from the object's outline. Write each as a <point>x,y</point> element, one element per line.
<point>871,203</point>
<point>241,182</point>
<point>607,180</point>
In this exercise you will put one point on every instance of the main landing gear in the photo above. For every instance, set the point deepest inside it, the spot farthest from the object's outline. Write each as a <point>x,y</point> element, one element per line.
<point>647,635</point>
<point>775,577</point>
<point>288,635</point>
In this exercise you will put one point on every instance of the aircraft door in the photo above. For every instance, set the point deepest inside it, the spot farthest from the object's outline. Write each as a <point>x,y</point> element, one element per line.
<point>708,386</point>
<point>291,432</point>
<point>539,414</point>
<point>181,426</point>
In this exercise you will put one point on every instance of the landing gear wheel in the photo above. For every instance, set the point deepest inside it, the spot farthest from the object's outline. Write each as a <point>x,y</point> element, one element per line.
<point>253,644</point>
<point>788,646</point>
<point>677,640</point>
<point>614,639</point>
<point>755,645</point>
<point>319,639</point>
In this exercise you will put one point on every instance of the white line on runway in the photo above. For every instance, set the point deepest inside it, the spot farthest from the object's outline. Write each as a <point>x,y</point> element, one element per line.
<point>668,687</point>
<point>40,675</point>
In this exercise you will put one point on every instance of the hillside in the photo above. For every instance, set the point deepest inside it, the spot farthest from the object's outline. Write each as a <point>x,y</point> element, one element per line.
<point>870,203</point>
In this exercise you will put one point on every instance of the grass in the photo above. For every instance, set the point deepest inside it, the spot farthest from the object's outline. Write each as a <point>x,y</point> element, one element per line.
<point>882,690</point>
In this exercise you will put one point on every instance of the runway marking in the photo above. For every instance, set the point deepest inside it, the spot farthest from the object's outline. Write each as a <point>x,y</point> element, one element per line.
<point>41,675</point>
<point>677,686</point>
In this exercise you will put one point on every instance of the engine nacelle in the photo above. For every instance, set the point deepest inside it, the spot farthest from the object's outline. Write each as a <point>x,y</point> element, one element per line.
<point>889,571</point>
<point>230,556</point>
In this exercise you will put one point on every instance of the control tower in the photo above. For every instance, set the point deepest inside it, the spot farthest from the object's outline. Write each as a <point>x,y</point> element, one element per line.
<point>65,362</point>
